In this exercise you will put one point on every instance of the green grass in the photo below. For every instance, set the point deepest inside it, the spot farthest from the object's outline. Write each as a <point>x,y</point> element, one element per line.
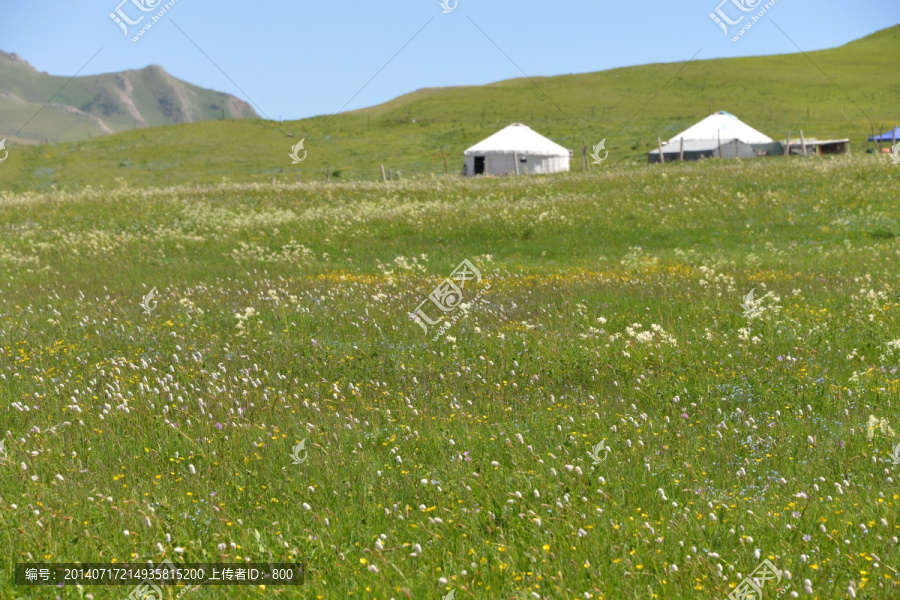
<point>629,107</point>
<point>746,423</point>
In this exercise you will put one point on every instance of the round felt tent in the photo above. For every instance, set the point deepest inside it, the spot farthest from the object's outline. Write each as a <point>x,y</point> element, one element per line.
<point>720,135</point>
<point>516,149</point>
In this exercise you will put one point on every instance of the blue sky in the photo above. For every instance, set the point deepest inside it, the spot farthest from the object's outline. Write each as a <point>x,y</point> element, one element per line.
<point>298,58</point>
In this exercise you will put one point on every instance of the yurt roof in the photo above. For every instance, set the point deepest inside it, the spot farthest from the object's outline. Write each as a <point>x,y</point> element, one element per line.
<point>517,138</point>
<point>725,126</point>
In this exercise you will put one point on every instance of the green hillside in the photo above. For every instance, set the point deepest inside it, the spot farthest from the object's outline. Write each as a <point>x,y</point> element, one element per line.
<point>98,105</point>
<point>629,107</point>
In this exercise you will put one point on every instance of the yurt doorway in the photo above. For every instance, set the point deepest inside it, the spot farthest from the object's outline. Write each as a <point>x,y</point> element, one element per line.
<point>479,165</point>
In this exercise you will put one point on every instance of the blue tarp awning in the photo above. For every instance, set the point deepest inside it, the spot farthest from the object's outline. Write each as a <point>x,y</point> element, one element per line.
<point>887,136</point>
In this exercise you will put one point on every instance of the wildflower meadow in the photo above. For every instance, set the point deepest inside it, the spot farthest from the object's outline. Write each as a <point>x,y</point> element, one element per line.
<point>651,380</point>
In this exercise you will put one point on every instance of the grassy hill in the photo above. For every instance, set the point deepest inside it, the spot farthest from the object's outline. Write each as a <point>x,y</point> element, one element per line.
<point>771,93</point>
<point>97,105</point>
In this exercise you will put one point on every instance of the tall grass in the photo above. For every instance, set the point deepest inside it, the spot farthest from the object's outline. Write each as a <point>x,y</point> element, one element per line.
<point>614,314</point>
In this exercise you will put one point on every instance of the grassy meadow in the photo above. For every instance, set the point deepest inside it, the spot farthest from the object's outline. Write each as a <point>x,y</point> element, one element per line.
<point>734,428</point>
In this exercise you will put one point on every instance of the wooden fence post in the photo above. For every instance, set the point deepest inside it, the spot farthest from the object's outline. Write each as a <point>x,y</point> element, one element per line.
<point>787,151</point>
<point>803,143</point>
<point>383,176</point>
<point>516,161</point>
<point>662,159</point>
<point>681,152</point>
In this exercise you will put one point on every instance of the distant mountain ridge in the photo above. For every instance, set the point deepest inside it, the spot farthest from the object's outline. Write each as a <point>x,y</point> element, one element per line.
<point>102,104</point>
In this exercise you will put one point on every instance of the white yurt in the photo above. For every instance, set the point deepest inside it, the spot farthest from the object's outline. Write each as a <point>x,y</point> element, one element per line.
<point>516,145</point>
<point>720,135</point>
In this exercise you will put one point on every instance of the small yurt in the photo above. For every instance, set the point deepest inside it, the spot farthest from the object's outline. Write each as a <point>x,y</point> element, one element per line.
<point>720,135</point>
<point>516,149</point>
